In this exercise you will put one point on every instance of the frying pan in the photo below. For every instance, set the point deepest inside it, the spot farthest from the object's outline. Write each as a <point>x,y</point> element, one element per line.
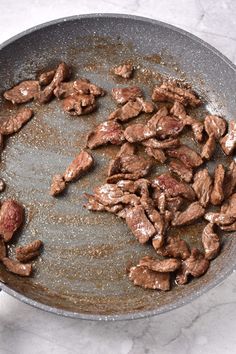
<point>81,272</point>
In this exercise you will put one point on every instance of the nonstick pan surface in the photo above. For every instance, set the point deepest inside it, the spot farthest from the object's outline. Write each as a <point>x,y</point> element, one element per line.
<point>82,271</point>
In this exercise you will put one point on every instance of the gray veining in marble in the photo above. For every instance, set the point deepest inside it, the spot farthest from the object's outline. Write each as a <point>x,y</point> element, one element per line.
<point>205,326</point>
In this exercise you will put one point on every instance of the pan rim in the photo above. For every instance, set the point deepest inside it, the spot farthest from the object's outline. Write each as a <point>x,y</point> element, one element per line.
<point>164,308</point>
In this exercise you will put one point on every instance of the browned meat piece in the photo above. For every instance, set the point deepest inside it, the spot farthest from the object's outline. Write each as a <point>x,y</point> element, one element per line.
<point>2,185</point>
<point>81,164</point>
<point>187,155</point>
<point>228,142</point>
<point>203,186</point>
<point>180,169</point>
<point>169,91</point>
<point>229,206</point>
<point>11,218</point>
<point>162,202</point>
<point>148,279</point>
<point>229,228</point>
<point>78,104</point>
<point>123,95</point>
<point>23,92</point>
<point>208,148</point>
<point>215,126</point>
<point>3,250</point>
<point>178,110</point>
<point>137,132</point>
<point>115,165</point>
<point>13,124</point>
<point>219,218</point>
<point>193,212</point>
<point>230,180</point>
<point>210,241</point>
<point>158,154</point>
<point>139,224</point>
<point>124,70</point>
<point>133,164</point>
<point>104,133</point>
<point>127,186</point>
<point>16,267</point>
<point>161,144</point>
<point>111,194</point>
<point>64,89</point>
<point>58,185</point>
<point>131,109</point>
<point>176,248</point>
<point>173,204</point>
<point>164,126</point>
<point>217,194</point>
<point>172,187</point>
<point>46,77</point>
<point>126,149</point>
<point>196,265</point>
<point>122,176</point>
<point>84,86</point>
<point>94,205</point>
<point>62,74</point>
<point>28,252</point>
<point>162,266</point>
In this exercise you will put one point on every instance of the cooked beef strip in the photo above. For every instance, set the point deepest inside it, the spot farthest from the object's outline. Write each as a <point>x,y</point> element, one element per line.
<point>124,70</point>
<point>115,165</point>
<point>122,176</point>
<point>229,228</point>
<point>215,126</point>
<point>28,252</point>
<point>133,164</point>
<point>166,126</point>
<point>229,206</point>
<point>2,185</point>
<point>78,104</point>
<point>127,186</point>
<point>176,248</point>
<point>94,205</point>
<point>217,194</point>
<point>196,265</point>
<point>46,77</point>
<point>219,218</point>
<point>162,266</point>
<point>169,91</point>
<point>16,267</point>
<point>84,86</point>
<point>208,148</point>
<point>64,89</point>
<point>210,241</point>
<point>62,73</point>
<point>149,279</point>
<point>23,92</point>
<point>111,194</point>
<point>81,164</point>
<point>142,186</point>
<point>104,133</point>
<point>14,123</point>
<point>203,186</point>
<point>172,187</point>
<point>158,154</point>
<point>161,144</point>
<point>228,142</point>
<point>178,110</point>
<point>138,132</point>
<point>230,180</point>
<point>58,185</point>
<point>123,95</point>
<point>187,155</point>
<point>3,250</point>
<point>180,169</point>
<point>11,218</point>
<point>139,224</point>
<point>193,212</point>
<point>131,109</point>
<point>126,149</point>
<point>162,202</point>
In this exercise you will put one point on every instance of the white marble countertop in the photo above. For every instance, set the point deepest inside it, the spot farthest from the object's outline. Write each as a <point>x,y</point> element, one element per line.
<point>208,324</point>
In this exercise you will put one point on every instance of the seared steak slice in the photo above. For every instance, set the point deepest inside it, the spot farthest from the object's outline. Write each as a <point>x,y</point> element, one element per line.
<point>14,123</point>
<point>230,180</point>
<point>193,212</point>
<point>158,154</point>
<point>78,104</point>
<point>80,165</point>
<point>215,126</point>
<point>161,144</point>
<point>16,267</point>
<point>211,242</point>
<point>139,224</point>
<point>138,132</point>
<point>58,185</point>
<point>217,194</point>
<point>149,279</point>
<point>131,109</point>
<point>46,77</point>
<point>11,218</point>
<point>169,91</point>
<point>196,265</point>
<point>180,169</point>
<point>123,95</point>
<point>187,155</point>
<point>23,92</point>
<point>203,186</point>
<point>124,70</point>
<point>172,187</point>
<point>133,164</point>
<point>111,194</point>
<point>84,86</point>
<point>208,148</point>
<point>162,266</point>
<point>104,133</point>
<point>228,142</point>
<point>229,206</point>
<point>176,248</point>
<point>28,252</point>
<point>219,218</point>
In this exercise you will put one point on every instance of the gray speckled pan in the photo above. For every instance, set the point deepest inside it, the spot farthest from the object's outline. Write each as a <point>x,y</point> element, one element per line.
<point>81,272</point>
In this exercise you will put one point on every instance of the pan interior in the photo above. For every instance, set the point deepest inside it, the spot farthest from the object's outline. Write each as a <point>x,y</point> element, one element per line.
<point>83,267</point>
